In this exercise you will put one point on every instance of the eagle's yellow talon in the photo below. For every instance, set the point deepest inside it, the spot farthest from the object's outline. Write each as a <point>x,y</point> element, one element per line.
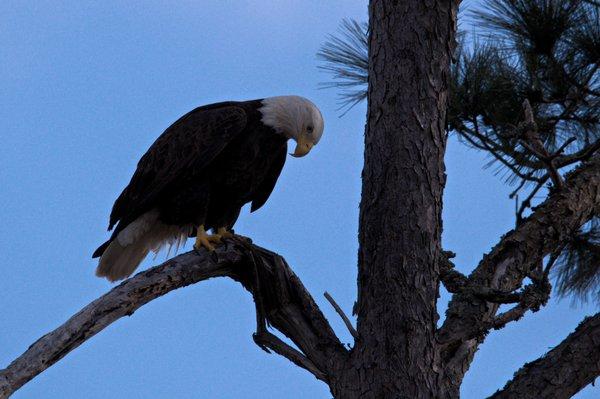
<point>204,240</point>
<point>224,233</point>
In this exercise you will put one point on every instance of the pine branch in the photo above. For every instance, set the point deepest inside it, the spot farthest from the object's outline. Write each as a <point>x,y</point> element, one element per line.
<point>578,266</point>
<point>346,57</point>
<point>532,298</point>
<point>526,204</point>
<point>496,153</point>
<point>457,283</point>
<point>533,143</point>
<point>516,256</point>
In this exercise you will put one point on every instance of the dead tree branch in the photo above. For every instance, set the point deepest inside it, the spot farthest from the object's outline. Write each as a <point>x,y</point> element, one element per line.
<point>340,312</point>
<point>267,340</point>
<point>563,371</point>
<point>288,307</point>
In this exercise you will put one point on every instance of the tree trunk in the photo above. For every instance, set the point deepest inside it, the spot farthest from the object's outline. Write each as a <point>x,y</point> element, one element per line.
<point>410,46</point>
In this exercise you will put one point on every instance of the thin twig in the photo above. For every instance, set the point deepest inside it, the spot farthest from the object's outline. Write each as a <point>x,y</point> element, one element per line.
<point>539,155</point>
<point>581,155</point>
<point>531,141</point>
<point>339,311</point>
<point>553,258</point>
<point>562,147</point>
<point>513,314</point>
<point>513,168</point>
<point>527,202</point>
<point>519,187</point>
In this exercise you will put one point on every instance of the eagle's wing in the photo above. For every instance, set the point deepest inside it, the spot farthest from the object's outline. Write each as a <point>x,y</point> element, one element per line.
<point>193,141</point>
<point>266,187</point>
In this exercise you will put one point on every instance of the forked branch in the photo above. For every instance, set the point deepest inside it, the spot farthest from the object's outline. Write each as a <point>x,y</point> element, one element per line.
<point>288,307</point>
<point>514,258</point>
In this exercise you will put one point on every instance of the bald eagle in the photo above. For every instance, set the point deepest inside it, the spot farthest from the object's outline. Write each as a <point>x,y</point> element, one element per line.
<point>200,172</point>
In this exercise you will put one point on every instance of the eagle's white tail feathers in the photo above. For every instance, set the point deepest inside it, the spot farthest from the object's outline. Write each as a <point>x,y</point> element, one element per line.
<point>118,262</point>
<point>130,247</point>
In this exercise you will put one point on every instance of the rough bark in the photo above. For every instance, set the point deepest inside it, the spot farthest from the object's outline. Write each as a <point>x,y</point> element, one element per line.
<point>469,318</point>
<point>410,48</point>
<point>287,305</point>
<point>563,371</point>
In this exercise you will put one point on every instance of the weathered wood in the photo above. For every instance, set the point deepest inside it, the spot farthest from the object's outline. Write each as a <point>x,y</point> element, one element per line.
<point>290,309</point>
<point>340,312</point>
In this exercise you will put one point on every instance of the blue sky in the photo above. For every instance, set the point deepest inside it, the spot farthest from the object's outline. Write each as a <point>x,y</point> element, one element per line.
<point>86,87</point>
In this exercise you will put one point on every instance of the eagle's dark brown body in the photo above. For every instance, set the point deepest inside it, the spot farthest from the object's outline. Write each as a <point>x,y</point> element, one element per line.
<point>203,169</point>
<point>200,172</point>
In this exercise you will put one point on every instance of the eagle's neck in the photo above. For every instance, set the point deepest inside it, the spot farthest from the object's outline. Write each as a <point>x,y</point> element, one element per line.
<point>284,114</point>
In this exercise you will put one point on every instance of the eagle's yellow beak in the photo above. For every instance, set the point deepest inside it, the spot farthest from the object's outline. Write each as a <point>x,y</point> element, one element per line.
<point>303,147</point>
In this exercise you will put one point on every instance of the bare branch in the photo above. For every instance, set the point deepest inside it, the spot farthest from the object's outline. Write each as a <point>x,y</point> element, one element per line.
<point>288,306</point>
<point>563,147</point>
<point>519,187</point>
<point>265,340</point>
<point>339,311</point>
<point>563,371</point>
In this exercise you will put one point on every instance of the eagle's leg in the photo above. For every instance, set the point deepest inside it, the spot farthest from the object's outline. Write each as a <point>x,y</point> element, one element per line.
<point>224,233</point>
<point>205,240</point>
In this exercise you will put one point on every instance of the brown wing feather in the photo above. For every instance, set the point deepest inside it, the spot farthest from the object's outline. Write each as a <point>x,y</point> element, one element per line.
<point>193,141</point>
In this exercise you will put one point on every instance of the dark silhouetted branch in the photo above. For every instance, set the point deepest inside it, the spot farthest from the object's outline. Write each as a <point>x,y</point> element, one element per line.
<point>532,298</point>
<point>526,204</point>
<point>267,340</point>
<point>582,155</point>
<point>532,142</point>
<point>339,311</point>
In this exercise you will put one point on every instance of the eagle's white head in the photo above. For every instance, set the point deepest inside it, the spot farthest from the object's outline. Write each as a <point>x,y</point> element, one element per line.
<point>295,117</point>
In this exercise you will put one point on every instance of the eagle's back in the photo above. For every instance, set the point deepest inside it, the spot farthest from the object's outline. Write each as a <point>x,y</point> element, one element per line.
<point>187,146</point>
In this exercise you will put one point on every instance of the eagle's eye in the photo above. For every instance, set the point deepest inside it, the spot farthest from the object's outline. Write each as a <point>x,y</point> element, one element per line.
<point>309,129</point>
